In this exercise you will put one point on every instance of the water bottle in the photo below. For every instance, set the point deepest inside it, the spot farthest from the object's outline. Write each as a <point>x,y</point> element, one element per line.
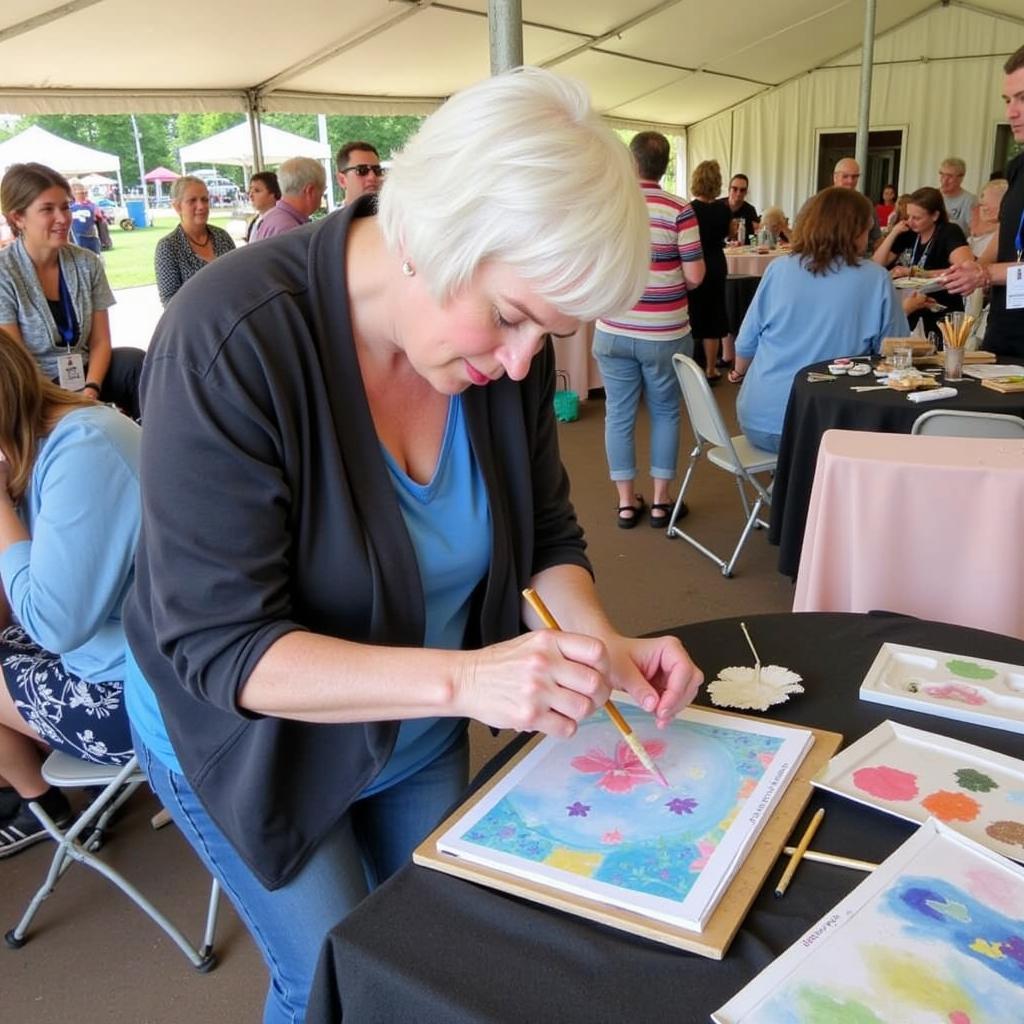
<point>741,230</point>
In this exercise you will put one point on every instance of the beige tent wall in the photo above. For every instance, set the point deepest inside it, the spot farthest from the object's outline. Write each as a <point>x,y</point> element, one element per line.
<point>947,104</point>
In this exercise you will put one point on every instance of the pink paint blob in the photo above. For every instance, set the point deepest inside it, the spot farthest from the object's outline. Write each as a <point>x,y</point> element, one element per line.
<point>959,1017</point>
<point>886,783</point>
<point>956,691</point>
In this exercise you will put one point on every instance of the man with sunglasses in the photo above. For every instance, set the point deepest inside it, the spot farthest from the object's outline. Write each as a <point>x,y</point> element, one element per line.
<point>359,170</point>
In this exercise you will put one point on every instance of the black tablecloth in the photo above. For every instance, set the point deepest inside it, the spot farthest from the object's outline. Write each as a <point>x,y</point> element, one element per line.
<point>815,408</point>
<point>739,293</point>
<point>431,949</point>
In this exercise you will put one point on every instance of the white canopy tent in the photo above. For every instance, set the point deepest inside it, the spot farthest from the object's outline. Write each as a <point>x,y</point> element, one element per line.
<point>234,147</point>
<point>72,159</point>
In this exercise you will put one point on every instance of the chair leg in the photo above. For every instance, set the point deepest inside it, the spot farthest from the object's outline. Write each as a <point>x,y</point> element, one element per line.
<point>751,520</point>
<point>672,531</point>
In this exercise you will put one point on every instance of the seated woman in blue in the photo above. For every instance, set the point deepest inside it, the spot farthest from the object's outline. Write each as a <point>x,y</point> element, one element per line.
<point>821,302</point>
<point>69,522</point>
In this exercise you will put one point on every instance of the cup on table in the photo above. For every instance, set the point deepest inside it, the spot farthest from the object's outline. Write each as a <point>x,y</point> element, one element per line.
<point>953,362</point>
<point>901,360</point>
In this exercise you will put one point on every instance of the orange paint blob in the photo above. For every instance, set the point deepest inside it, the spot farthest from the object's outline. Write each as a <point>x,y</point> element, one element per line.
<point>948,806</point>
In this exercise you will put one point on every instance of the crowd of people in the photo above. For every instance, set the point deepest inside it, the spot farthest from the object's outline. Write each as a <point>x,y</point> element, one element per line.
<point>368,402</point>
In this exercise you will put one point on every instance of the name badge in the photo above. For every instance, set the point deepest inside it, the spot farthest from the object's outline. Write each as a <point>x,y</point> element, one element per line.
<point>1015,286</point>
<point>71,372</point>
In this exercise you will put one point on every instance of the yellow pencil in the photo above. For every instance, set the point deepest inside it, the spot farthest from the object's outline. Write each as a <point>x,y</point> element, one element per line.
<point>801,849</point>
<point>535,602</point>
<point>835,858</point>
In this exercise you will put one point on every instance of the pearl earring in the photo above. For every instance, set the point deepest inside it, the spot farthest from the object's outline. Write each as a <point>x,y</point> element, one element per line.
<point>408,269</point>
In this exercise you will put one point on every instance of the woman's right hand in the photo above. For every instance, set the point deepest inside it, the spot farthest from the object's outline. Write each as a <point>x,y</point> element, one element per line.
<point>546,681</point>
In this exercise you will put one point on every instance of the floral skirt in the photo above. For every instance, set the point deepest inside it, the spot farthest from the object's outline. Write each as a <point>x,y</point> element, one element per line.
<point>85,720</point>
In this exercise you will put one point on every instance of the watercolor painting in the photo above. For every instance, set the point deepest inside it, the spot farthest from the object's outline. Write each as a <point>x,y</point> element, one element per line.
<point>916,774</point>
<point>933,936</point>
<point>586,816</point>
<point>949,685</point>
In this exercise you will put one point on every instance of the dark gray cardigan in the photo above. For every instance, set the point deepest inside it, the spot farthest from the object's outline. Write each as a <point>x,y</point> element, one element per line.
<point>267,508</point>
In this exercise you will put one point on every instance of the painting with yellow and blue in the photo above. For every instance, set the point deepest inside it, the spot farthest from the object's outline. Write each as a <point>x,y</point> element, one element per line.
<point>586,816</point>
<point>933,936</point>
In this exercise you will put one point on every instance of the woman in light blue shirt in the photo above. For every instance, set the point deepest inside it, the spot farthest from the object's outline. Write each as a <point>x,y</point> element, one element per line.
<point>69,524</point>
<point>822,302</point>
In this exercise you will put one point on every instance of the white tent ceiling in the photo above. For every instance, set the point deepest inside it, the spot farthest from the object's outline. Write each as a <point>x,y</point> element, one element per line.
<point>668,63</point>
<point>70,158</point>
<point>234,146</point>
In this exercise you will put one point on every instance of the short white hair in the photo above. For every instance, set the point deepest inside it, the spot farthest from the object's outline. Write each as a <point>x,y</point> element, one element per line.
<point>298,172</point>
<point>519,170</point>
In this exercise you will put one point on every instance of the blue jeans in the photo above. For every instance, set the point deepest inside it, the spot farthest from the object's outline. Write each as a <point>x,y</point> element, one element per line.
<point>631,367</point>
<point>762,439</point>
<point>374,839</point>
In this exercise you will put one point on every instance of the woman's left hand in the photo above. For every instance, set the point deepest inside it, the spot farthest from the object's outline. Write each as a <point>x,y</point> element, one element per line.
<point>657,673</point>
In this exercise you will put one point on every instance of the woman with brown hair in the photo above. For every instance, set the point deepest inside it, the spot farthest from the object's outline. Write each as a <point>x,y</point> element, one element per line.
<point>820,302</point>
<point>708,320</point>
<point>931,243</point>
<point>69,522</point>
<point>54,295</point>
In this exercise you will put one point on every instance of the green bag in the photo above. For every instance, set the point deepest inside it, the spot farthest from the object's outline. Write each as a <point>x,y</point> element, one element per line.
<point>567,403</point>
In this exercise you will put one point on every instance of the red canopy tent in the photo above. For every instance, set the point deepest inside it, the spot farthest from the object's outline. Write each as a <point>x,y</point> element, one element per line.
<point>158,176</point>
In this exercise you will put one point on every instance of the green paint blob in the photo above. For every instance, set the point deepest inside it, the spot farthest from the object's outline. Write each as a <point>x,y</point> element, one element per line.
<point>818,1006</point>
<point>975,781</point>
<point>970,670</point>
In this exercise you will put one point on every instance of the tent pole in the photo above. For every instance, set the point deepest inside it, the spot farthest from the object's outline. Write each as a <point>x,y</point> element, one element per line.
<point>328,161</point>
<point>142,169</point>
<point>254,128</point>
<point>505,22</point>
<point>867,58</point>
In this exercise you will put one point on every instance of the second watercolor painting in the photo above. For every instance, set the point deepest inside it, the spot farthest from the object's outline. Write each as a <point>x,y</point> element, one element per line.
<point>916,775</point>
<point>584,816</point>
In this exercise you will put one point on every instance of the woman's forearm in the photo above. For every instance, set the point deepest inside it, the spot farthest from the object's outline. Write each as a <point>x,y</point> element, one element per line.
<point>99,349</point>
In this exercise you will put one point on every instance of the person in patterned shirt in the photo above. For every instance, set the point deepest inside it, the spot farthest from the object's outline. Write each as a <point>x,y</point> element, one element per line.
<point>634,352</point>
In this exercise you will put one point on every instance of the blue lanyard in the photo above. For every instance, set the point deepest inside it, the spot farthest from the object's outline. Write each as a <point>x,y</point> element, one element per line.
<point>924,255</point>
<point>68,326</point>
<point>1019,243</point>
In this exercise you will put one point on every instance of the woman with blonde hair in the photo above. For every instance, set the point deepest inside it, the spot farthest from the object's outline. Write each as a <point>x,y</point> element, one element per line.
<point>822,301</point>
<point>368,403</point>
<point>193,244</point>
<point>69,521</point>
<point>54,295</point>
<point>708,320</point>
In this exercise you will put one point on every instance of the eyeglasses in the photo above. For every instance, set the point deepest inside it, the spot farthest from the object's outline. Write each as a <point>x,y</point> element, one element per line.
<point>364,169</point>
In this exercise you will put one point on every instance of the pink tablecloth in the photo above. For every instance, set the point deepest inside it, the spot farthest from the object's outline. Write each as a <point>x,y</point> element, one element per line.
<point>743,260</point>
<point>928,526</point>
<point>573,358</point>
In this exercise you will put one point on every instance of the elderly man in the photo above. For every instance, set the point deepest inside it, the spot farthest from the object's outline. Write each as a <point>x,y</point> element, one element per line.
<point>1000,267</point>
<point>303,181</point>
<point>959,202</point>
<point>85,218</point>
<point>739,208</point>
<point>359,170</point>
<point>846,174</point>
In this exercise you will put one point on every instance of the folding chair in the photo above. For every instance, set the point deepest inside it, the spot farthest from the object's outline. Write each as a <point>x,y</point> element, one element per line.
<point>735,455</point>
<point>83,838</point>
<point>957,423</point>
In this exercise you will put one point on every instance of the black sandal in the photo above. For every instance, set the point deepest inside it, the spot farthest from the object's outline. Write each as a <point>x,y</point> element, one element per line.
<point>661,512</point>
<point>627,522</point>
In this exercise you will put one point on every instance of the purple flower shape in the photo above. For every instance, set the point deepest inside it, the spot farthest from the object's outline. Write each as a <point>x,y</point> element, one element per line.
<point>578,810</point>
<point>678,806</point>
<point>1014,948</point>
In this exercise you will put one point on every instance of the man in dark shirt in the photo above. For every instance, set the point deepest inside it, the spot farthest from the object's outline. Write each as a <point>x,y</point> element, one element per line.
<point>739,208</point>
<point>1001,263</point>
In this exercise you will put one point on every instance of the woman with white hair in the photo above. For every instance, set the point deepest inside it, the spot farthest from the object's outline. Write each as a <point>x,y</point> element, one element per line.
<point>368,406</point>
<point>193,244</point>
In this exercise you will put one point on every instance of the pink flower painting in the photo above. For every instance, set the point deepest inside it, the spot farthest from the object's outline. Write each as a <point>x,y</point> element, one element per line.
<point>621,773</point>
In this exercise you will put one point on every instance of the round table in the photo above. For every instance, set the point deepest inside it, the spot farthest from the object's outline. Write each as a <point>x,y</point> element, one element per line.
<point>816,407</point>
<point>746,260</point>
<point>434,949</point>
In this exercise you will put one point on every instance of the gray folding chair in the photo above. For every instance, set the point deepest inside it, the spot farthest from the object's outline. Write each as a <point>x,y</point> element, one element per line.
<point>735,455</point>
<point>956,423</point>
<point>83,838</point>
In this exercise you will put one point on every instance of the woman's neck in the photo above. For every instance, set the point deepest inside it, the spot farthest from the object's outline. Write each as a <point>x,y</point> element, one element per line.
<point>926,235</point>
<point>43,257</point>
<point>197,232</point>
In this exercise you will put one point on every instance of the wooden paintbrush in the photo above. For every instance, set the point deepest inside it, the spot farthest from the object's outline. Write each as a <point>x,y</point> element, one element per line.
<point>534,601</point>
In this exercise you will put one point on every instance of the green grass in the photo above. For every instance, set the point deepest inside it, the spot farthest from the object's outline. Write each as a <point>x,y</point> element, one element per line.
<point>130,263</point>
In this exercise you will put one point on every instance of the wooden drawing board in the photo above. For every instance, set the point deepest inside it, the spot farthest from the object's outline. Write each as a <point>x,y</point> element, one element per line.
<point>714,940</point>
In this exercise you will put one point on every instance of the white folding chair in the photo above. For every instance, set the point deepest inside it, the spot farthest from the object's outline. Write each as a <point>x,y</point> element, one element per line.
<point>735,455</point>
<point>957,423</point>
<point>83,838</point>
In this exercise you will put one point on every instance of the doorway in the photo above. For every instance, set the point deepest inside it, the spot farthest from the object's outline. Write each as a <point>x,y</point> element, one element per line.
<point>885,149</point>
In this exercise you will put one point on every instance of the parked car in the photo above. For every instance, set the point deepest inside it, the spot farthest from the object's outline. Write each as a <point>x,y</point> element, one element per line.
<point>223,191</point>
<point>114,214</point>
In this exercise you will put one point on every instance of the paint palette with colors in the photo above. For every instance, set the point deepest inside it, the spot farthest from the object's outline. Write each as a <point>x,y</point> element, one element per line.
<point>934,934</point>
<point>950,685</point>
<point>916,774</point>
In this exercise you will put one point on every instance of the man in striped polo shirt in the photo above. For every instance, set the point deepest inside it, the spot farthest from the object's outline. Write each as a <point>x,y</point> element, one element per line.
<point>634,352</point>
